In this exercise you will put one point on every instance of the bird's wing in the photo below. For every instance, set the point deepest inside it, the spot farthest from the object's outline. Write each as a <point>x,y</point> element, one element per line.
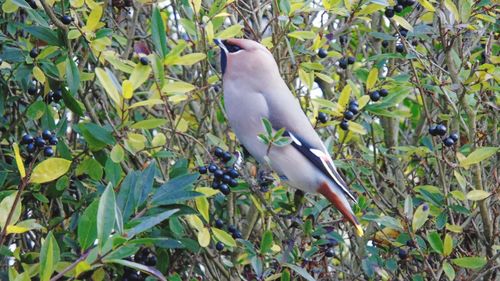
<point>285,112</point>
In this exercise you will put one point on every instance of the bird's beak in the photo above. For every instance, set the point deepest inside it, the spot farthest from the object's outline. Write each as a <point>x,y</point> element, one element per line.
<point>221,45</point>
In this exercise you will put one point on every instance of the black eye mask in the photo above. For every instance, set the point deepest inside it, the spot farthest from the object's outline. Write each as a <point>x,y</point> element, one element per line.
<point>223,58</point>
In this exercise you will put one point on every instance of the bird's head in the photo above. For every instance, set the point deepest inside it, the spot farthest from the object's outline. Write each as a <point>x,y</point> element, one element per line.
<point>243,57</point>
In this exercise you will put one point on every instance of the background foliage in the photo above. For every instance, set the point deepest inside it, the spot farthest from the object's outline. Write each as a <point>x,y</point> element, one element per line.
<point>140,108</point>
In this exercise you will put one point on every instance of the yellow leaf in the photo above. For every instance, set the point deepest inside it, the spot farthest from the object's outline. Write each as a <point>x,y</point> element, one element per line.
<point>38,74</point>
<point>196,5</point>
<point>447,245</point>
<point>257,204</point>
<point>6,206</point>
<point>108,85</point>
<point>195,222</point>
<point>324,77</point>
<point>477,195</point>
<point>73,34</point>
<point>139,75</point>
<point>204,237</point>
<point>82,267</point>
<point>190,59</point>
<point>9,7</point>
<point>302,35</point>
<point>401,21</point>
<point>420,217</point>
<point>478,155</point>
<point>127,90</point>
<point>453,9</point>
<point>344,96</point>
<point>427,5</point>
<point>159,140</point>
<point>356,128</point>
<point>207,191</point>
<point>49,170</point>
<point>93,19</point>
<point>149,102</point>
<point>363,101</point>
<point>347,4</point>
<point>117,154</point>
<point>178,87</point>
<point>372,78</point>
<point>454,228</point>
<point>19,160</point>
<point>371,8</point>
<point>306,78</point>
<point>76,3</point>
<point>203,207</point>
<point>230,32</point>
<point>136,142</point>
<point>16,229</point>
<point>209,30</point>
<point>224,237</point>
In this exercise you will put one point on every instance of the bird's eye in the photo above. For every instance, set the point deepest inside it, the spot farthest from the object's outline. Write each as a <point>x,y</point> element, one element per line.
<point>233,48</point>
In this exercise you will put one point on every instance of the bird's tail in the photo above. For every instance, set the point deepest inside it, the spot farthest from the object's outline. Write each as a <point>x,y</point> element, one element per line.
<point>341,203</point>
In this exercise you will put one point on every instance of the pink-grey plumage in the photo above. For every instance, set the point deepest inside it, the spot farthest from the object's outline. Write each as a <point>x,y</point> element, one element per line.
<point>253,90</point>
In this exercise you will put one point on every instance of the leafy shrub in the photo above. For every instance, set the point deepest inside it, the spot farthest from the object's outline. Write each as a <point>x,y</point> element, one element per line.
<point>112,112</point>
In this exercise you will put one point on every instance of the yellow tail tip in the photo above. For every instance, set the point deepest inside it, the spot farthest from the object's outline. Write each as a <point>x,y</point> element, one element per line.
<point>359,230</point>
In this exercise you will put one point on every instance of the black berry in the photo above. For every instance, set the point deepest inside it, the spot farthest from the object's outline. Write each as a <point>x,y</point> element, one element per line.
<point>351,60</point>
<point>219,246</point>
<point>375,96</point>
<point>39,142</point>
<point>403,32</point>
<point>53,140</point>
<point>212,168</point>
<point>353,108</point>
<point>33,90</point>
<point>32,4</point>
<point>31,147</point>
<point>144,60</point>
<point>237,235</point>
<point>385,43</point>
<point>322,53</point>
<point>383,92</point>
<point>202,170</point>
<point>389,12</point>
<point>224,188</point>
<point>48,152</point>
<point>348,115</point>
<point>441,129</point>
<point>227,156</point>
<point>57,96</point>
<point>410,2</point>
<point>454,137</point>
<point>218,152</point>
<point>233,173</point>
<point>398,8</point>
<point>151,260</point>
<point>219,223</point>
<point>400,48</point>
<point>322,117</point>
<point>66,19</point>
<point>344,125</point>
<point>46,134</point>
<point>433,130</point>
<point>226,179</point>
<point>332,242</point>
<point>233,183</point>
<point>34,53</point>
<point>218,174</point>
<point>343,39</point>
<point>329,253</point>
<point>232,229</point>
<point>27,139</point>
<point>215,185</point>
<point>402,254</point>
<point>448,142</point>
<point>343,63</point>
<point>425,207</point>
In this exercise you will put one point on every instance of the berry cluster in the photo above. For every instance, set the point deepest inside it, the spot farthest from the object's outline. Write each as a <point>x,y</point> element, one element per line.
<point>440,130</point>
<point>378,94</point>
<point>144,256</point>
<point>351,111</point>
<point>45,142</point>
<point>223,178</point>
<point>54,96</point>
<point>344,62</point>
<point>235,233</point>
<point>400,5</point>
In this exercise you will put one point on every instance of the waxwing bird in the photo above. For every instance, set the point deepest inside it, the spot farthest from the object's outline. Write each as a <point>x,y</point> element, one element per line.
<point>253,90</point>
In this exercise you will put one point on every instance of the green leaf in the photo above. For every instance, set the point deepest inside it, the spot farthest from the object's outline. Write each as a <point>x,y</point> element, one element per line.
<point>224,237</point>
<point>72,76</point>
<point>420,217</point>
<point>301,271</point>
<point>401,21</point>
<point>149,222</point>
<point>453,9</point>
<point>139,75</point>
<point>477,195</point>
<point>5,208</point>
<point>149,123</point>
<point>158,33</point>
<point>428,6</point>
<point>87,226</point>
<point>71,103</point>
<point>36,110</point>
<point>147,269</point>
<point>267,242</point>
<point>435,242</point>
<point>175,190</point>
<point>45,34</point>
<point>470,262</point>
<point>99,133</point>
<point>478,155</point>
<point>285,275</point>
<point>49,170</point>
<point>390,222</point>
<point>449,271</point>
<point>117,153</point>
<point>106,215</point>
<point>230,32</point>
<point>268,126</point>
<point>372,78</point>
<point>302,35</point>
<point>49,257</point>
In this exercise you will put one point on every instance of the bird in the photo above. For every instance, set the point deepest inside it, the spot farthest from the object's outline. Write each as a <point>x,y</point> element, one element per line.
<point>254,90</point>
